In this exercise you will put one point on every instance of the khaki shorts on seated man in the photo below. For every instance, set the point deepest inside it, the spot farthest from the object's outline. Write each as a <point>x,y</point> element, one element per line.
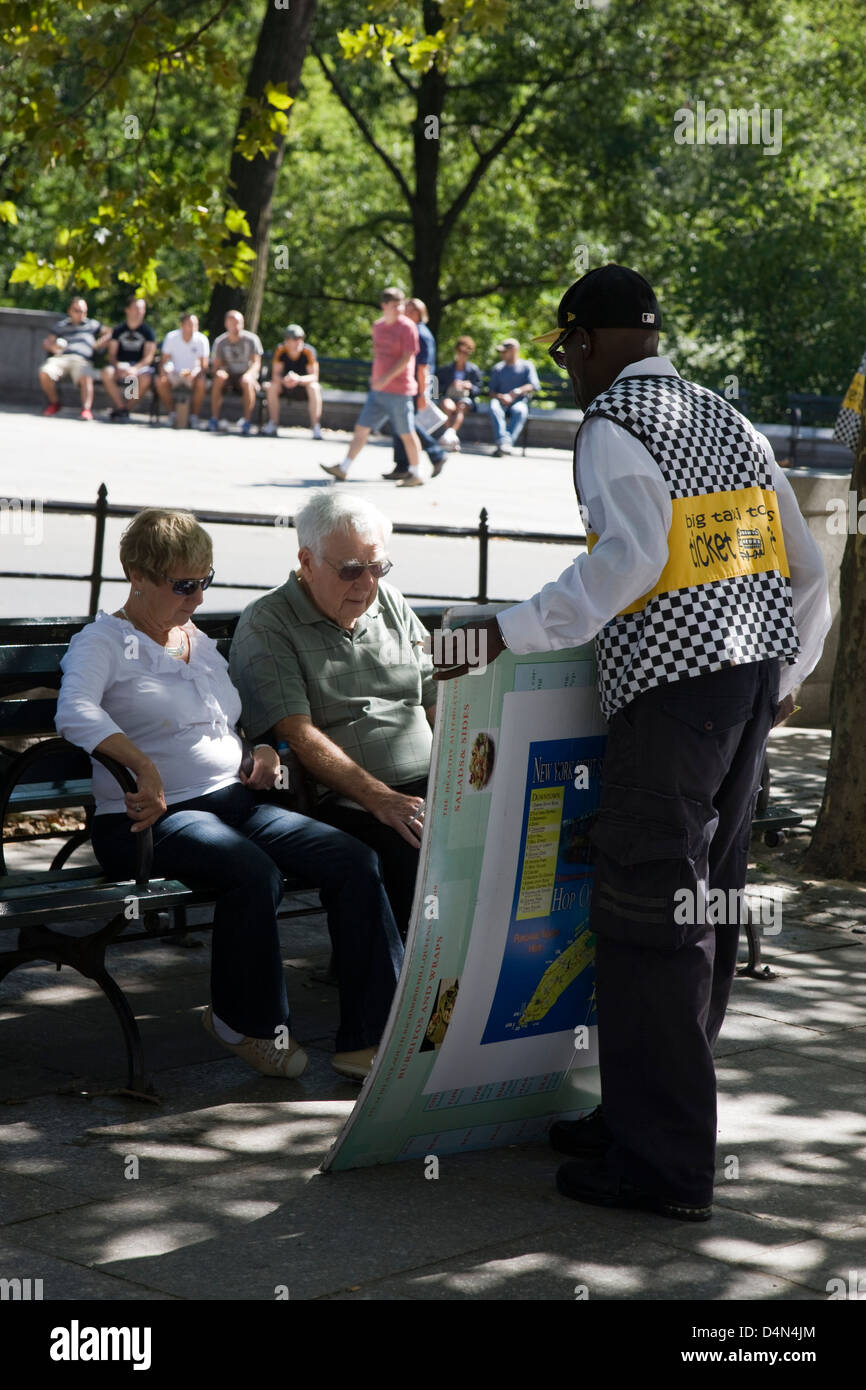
<point>332,662</point>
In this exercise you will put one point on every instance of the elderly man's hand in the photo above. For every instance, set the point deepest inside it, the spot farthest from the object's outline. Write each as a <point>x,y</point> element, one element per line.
<point>405,814</point>
<point>266,765</point>
<point>488,645</point>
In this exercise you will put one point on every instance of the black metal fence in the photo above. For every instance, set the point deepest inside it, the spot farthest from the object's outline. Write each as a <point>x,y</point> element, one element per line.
<point>102,510</point>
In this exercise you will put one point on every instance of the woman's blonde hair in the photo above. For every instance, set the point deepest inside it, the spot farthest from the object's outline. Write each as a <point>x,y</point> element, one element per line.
<point>159,541</point>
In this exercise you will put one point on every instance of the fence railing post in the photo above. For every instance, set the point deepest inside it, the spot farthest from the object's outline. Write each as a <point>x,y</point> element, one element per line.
<point>98,547</point>
<point>483,543</point>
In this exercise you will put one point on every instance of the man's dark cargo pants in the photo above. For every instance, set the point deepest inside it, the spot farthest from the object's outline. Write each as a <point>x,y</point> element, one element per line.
<point>681,775</point>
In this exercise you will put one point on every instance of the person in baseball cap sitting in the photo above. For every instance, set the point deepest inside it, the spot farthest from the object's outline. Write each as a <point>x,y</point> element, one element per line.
<point>512,382</point>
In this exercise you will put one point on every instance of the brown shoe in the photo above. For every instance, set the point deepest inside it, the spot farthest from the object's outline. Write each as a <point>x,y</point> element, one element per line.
<point>355,1065</point>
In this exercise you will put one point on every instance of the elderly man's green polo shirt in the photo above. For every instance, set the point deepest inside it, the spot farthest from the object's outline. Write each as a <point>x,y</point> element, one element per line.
<point>366,689</point>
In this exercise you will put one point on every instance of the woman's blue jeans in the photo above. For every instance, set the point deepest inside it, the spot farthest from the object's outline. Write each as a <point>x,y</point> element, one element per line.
<point>236,841</point>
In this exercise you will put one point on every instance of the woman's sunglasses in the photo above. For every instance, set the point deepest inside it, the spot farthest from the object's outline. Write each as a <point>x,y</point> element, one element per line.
<point>184,587</point>
<point>378,569</point>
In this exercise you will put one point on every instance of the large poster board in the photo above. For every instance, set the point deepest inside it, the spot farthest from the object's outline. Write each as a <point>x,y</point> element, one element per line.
<point>491,1034</point>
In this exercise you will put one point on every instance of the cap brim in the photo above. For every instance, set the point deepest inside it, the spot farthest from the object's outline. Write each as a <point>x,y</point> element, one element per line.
<point>549,337</point>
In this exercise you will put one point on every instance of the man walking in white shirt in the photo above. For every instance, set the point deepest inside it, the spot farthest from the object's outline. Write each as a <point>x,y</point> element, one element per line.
<point>708,601</point>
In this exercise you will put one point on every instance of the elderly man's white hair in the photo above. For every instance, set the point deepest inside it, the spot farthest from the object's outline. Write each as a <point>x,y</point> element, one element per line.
<point>329,513</point>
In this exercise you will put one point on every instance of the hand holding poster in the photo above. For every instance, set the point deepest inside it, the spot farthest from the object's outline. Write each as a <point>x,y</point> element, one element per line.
<point>492,1032</point>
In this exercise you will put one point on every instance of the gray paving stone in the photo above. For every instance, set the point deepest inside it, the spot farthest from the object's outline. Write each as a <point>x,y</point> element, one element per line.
<point>552,1270</point>
<point>823,990</point>
<point>774,1103</point>
<point>282,1224</point>
<point>22,1198</point>
<point>821,1190</point>
<point>846,1049</point>
<point>65,1280</point>
<point>744,1031</point>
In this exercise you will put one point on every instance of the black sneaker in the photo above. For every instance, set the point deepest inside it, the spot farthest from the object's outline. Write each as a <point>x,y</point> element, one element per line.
<point>586,1138</point>
<point>594,1185</point>
<point>118,413</point>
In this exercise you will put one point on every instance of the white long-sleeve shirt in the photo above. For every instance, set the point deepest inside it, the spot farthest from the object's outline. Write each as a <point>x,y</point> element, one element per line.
<point>623,491</point>
<point>181,714</point>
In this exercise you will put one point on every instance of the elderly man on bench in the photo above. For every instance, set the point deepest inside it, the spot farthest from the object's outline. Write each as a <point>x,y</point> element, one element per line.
<point>332,663</point>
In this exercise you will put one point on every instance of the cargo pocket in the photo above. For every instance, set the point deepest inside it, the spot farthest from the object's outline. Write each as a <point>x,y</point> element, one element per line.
<point>714,714</point>
<point>643,862</point>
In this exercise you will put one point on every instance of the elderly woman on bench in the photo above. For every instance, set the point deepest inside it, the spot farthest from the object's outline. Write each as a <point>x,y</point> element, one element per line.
<point>145,686</point>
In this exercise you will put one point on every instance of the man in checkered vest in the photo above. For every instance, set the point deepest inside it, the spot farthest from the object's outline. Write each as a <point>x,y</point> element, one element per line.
<point>708,601</point>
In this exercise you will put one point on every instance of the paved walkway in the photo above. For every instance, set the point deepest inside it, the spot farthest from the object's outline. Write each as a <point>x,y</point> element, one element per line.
<point>66,459</point>
<point>227,1202</point>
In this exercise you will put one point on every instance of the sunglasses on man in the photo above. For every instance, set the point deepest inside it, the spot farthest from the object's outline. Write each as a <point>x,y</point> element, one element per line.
<point>557,349</point>
<point>378,569</point>
<point>184,587</point>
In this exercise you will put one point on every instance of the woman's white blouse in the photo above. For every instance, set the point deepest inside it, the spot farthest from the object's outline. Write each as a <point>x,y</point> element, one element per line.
<point>181,714</point>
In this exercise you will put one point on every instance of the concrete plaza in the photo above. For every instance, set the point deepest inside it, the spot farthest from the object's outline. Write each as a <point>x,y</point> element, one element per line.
<point>66,459</point>
<point>228,1203</point>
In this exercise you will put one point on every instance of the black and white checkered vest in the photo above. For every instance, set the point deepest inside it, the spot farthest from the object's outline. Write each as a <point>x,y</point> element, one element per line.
<point>724,596</point>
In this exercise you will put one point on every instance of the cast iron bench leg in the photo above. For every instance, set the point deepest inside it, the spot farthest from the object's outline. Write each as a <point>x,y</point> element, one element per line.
<point>753,967</point>
<point>87,956</point>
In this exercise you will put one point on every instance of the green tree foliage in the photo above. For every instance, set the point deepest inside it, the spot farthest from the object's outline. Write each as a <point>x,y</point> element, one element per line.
<point>109,142</point>
<point>554,150</point>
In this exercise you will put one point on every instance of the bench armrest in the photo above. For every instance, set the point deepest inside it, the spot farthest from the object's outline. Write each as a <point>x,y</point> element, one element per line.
<point>144,846</point>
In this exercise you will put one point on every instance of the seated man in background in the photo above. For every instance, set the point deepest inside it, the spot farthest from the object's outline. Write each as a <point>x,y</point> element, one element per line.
<point>295,370</point>
<point>131,350</point>
<point>512,382</point>
<point>70,347</point>
<point>237,358</point>
<point>184,362</point>
<point>332,663</point>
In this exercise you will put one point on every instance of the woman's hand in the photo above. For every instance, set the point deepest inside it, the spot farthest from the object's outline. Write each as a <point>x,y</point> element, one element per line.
<point>145,806</point>
<point>266,765</point>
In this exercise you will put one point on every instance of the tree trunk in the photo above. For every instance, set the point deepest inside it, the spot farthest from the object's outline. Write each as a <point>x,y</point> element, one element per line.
<point>282,46</point>
<point>427,240</point>
<point>838,848</point>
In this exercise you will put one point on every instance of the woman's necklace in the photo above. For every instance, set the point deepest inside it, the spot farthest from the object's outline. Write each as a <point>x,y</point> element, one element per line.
<point>179,651</point>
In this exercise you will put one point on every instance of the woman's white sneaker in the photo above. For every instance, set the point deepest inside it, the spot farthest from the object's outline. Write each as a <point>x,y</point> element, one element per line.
<point>265,1054</point>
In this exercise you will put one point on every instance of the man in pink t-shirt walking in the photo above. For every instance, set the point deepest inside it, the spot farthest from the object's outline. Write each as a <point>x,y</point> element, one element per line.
<point>392,388</point>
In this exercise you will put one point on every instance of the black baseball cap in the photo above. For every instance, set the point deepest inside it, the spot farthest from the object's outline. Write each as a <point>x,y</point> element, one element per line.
<point>611,296</point>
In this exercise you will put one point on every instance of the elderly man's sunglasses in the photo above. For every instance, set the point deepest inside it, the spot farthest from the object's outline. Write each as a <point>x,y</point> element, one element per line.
<point>378,569</point>
<point>185,587</point>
